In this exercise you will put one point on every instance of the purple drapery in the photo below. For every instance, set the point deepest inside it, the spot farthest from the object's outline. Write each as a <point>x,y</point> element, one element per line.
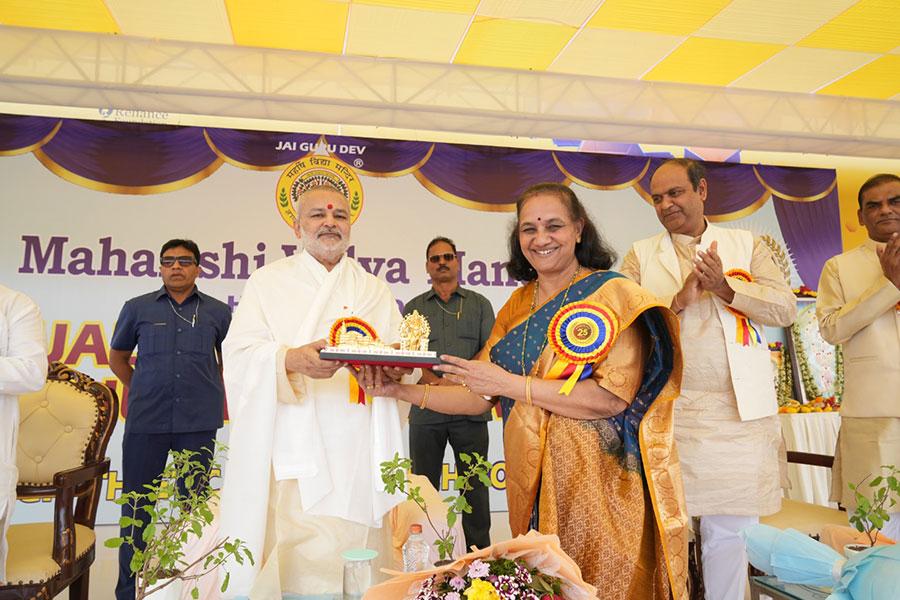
<point>811,228</point>
<point>128,154</point>
<point>260,149</point>
<point>18,132</point>
<point>381,157</point>
<point>488,175</point>
<point>602,170</point>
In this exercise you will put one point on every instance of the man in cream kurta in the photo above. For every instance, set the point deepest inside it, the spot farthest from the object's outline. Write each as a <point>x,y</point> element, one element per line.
<point>302,482</point>
<point>726,426</point>
<point>859,306</point>
<point>23,368</point>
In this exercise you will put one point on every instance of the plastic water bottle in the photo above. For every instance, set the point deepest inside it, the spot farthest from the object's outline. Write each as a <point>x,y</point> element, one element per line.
<point>416,553</point>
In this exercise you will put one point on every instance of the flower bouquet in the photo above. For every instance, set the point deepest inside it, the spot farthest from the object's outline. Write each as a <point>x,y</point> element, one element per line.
<point>531,567</point>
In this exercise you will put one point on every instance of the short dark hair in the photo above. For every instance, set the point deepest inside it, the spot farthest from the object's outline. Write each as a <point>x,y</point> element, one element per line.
<point>695,169</point>
<point>189,245</point>
<point>873,182</point>
<point>592,251</point>
<point>437,240</point>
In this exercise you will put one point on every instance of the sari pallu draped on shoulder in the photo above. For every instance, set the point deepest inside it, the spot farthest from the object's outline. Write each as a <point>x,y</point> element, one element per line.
<point>610,488</point>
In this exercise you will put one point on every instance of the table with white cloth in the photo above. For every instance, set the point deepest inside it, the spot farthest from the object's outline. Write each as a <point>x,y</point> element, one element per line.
<point>816,433</point>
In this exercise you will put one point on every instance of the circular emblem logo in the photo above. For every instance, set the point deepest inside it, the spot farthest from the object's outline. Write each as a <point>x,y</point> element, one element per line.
<point>312,171</point>
<point>583,332</point>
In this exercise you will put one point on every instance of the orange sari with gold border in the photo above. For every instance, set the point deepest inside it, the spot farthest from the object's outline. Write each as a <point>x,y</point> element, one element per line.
<point>609,488</point>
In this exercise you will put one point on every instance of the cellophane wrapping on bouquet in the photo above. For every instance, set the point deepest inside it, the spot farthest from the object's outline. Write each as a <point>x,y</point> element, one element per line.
<point>539,552</point>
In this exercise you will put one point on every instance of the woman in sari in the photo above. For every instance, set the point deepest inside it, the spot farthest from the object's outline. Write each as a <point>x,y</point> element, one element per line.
<point>585,365</point>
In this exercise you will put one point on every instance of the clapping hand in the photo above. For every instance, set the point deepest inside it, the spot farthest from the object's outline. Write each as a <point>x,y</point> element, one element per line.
<point>889,256</point>
<point>710,273</point>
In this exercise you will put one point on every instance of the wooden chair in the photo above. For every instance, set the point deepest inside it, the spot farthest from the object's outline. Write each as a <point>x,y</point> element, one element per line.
<point>63,432</point>
<point>803,516</point>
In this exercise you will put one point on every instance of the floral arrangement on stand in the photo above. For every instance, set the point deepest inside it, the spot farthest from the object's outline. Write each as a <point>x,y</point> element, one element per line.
<point>531,567</point>
<point>784,375</point>
<point>492,579</point>
<point>816,401</point>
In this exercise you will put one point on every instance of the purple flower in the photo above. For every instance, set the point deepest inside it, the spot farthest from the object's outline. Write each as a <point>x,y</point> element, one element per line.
<point>478,568</point>
<point>451,596</point>
<point>457,583</point>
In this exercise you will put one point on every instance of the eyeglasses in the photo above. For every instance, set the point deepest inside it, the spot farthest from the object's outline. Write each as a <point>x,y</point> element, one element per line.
<point>184,261</point>
<point>448,257</point>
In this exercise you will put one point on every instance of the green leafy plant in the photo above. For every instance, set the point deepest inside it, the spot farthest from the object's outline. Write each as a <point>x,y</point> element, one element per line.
<point>394,475</point>
<point>871,512</point>
<point>171,509</point>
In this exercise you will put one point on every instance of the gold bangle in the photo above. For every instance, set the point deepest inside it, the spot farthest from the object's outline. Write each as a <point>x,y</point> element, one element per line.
<point>425,396</point>
<point>528,391</point>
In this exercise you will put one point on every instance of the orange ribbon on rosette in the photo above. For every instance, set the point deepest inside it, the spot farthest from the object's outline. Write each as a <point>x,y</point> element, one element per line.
<point>352,325</point>
<point>581,335</point>
<point>746,333</point>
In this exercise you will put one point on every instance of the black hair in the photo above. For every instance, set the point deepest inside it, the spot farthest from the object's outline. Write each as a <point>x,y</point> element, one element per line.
<point>875,181</point>
<point>695,170</point>
<point>437,240</point>
<point>592,251</point>
<point>190,245</point>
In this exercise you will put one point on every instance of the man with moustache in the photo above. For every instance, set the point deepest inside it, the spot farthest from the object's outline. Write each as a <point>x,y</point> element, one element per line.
<point>176,397</point>
<point>461,321</point>
<point>302,482</point>
<point>859,307</point>
<point>725,286</point>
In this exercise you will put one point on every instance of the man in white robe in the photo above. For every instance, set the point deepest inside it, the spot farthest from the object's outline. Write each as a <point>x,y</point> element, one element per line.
<point>23,369</point>
<point>302,482</point>
<point>859,306</point>
<point>724,285</point>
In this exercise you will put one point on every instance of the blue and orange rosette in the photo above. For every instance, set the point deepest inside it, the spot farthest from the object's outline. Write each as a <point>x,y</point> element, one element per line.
<point>581,335</point>
<point>353,325</point>
<point>746,333</point>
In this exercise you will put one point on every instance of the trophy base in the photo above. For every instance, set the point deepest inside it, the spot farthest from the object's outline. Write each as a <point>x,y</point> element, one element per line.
<point>388,357</point>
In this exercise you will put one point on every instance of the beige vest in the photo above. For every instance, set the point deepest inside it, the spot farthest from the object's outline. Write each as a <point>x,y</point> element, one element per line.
<point>872,355</point>
<point>752,375</point>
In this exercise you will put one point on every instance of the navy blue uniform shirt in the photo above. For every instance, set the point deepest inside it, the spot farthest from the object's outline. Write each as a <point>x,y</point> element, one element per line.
<point>177,385</point>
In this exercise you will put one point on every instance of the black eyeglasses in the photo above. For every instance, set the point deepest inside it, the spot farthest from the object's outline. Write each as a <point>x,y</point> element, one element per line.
<point>184,261</point>
<point>449,256</point>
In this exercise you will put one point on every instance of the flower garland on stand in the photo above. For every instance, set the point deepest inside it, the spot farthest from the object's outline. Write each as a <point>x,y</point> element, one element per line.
<point>784,375</point>
<point>809,385</point>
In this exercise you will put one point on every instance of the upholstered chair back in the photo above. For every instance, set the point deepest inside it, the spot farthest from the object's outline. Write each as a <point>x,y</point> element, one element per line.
<point>56,425</point>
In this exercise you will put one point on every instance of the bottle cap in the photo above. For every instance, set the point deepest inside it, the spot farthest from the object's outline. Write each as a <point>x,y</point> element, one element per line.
<point>415,528</point>
<point>359,554</point>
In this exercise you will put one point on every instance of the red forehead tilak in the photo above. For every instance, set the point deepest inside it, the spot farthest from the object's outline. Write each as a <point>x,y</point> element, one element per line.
<point>330,206</point>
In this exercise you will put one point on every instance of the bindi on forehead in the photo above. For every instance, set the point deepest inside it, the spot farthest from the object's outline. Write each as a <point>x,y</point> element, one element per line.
<point>329,206</point>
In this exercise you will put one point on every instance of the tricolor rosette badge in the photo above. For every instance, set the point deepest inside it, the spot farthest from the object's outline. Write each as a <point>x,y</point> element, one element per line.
<point>746,333</point>
<point>580,334</point>
<point>359,329</point>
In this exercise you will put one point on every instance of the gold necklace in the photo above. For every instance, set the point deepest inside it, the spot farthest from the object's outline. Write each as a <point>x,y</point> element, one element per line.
<point>531,314</point>
<point>458,307</point>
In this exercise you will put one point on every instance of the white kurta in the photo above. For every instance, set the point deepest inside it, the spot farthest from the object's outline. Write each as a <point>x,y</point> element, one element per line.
<point>305,434</point>
<point>730,466</point>
<point>23,368</point>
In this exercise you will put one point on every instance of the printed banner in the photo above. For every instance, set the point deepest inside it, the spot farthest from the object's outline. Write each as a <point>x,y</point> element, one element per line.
<point>87,205</point>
